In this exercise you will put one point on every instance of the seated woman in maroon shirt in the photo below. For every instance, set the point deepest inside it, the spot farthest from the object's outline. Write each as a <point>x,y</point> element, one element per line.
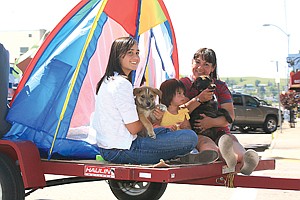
<point>228,147</point>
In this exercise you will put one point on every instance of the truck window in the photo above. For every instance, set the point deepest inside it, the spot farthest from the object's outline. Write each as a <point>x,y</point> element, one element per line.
<point>250,101</point>
<point>237,100</point>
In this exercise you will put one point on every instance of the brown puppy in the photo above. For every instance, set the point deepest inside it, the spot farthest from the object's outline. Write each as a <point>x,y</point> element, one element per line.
<point>145,100</point>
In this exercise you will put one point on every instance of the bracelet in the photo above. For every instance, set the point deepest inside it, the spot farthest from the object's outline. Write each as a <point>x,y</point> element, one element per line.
<point>198,100</point>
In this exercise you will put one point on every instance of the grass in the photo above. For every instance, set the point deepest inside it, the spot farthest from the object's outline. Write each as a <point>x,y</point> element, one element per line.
<point>253,80</point>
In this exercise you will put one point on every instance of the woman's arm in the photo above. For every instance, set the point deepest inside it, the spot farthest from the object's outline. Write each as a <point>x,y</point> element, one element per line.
<point>134,127</point>
<point>185,124</point>
<point>204,96</point>
<point>137,126</point>
<point>208,122</point>
<point>230,108</point>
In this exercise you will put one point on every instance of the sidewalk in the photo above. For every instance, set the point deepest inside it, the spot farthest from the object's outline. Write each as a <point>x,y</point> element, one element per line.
<point>285,148</point>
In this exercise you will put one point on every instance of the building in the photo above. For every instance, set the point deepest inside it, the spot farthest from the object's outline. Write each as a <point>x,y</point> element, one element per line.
<point>19,42</point>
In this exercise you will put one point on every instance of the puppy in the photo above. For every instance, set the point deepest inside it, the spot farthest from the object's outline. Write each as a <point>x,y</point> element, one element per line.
<point>145,100</point>
<point>209,108</point>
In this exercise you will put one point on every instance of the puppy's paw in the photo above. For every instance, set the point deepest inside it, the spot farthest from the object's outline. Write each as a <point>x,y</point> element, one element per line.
<point>162,107</point>
<point>152,134</point>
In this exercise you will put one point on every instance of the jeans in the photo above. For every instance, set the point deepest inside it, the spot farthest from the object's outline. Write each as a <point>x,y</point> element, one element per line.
<point>145,150</point>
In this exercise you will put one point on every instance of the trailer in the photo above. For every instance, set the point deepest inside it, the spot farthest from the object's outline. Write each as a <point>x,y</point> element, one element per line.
<point>22,172</point>
<point>53,96</point>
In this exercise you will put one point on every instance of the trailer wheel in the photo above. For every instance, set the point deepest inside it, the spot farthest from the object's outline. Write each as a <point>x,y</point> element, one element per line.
<point>133,190</point>
<point>11,183</point>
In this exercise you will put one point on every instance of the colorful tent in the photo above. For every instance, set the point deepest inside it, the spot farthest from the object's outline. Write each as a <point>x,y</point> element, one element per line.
<point>55,99</point>
<point>23,61</point>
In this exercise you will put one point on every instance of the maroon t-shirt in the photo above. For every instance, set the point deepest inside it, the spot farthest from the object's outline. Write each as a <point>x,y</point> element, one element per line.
<point>222,93</point>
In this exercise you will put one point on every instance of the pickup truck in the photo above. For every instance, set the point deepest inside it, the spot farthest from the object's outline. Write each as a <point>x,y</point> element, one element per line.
<point>251,114</point>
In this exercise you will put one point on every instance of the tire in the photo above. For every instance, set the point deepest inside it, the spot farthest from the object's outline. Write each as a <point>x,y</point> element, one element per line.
<point>133,190</point>
<point>253,129</point>
<point>11,183</point>
<point>270,125</point>
<point>244,129</point>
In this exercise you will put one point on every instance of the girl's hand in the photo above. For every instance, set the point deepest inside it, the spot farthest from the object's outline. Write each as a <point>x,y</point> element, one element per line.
<point>172,127</point>
<point>158,114</point>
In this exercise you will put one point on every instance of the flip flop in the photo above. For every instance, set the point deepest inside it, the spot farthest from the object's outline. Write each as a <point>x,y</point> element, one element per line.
<point>203,157</point>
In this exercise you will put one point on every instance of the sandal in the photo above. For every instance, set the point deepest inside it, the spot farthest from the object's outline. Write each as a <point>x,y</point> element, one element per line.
<point>204,157</point>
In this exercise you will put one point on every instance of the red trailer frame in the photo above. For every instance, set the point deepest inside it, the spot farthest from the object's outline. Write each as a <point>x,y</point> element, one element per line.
<point>33,170</point>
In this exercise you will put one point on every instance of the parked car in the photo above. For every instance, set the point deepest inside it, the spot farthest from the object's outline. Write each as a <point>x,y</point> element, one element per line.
<point>251,113</point>
<point>262,102</point>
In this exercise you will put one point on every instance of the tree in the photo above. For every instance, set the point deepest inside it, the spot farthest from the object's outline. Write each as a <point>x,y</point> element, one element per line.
<point>270,84</point>
<point>257,82</point>
<point>230,83</point>
<point>290,99</point>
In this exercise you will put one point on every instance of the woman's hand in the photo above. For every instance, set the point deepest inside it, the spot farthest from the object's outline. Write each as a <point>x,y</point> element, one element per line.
<point>204,123</point>
<point>184,125</point>
<point>205,95</point>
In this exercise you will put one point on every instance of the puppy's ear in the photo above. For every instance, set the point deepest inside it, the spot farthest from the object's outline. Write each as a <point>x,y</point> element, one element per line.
<point>194,85</point>
<point>158,92</point>
<point>136,91</point>
<point>208,78</point>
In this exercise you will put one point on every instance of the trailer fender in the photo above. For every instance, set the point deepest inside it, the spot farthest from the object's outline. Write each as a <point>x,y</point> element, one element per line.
<point>26,155</point>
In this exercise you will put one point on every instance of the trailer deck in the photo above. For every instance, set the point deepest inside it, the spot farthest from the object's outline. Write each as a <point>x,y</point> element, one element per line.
<point>33,170</point>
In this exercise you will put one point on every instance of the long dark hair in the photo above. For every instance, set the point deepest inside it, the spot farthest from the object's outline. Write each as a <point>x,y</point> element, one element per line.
<point>209,56</point>
<point>118,50</point>
<point>169,89</point>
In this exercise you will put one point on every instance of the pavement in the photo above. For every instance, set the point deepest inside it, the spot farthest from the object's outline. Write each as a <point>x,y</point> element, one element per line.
<point>283,145</point>
<point>285,148</point>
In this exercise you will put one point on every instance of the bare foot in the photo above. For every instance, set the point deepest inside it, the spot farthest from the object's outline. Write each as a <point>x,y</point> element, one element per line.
<point>226,148</point>
<point>251,160</point>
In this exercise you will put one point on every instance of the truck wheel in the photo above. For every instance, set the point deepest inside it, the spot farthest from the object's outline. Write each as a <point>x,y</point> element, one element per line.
<point>270,125</point>
<point>244,129</point>
<point>133,190</point>
<point>11,183</point>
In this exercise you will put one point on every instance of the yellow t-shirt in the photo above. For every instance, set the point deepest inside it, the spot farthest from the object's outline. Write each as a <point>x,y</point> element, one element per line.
<point>169,119</point>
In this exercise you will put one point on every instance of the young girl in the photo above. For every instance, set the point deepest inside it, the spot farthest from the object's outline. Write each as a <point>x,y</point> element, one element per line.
<point>177,117</point>
<point>116,120</point>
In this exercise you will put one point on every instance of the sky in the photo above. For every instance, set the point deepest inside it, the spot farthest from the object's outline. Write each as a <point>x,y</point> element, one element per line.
<point>232,28</point>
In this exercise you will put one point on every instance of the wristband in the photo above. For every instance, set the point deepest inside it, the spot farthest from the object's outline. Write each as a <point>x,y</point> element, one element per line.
<point>198,100</point>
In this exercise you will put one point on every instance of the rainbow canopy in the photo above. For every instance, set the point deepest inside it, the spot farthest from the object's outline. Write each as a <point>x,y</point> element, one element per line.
<point>55,99</point>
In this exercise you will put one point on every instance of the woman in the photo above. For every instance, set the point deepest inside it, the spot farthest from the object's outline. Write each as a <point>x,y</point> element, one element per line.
<point>116,120</point>
<point>205,63</point>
